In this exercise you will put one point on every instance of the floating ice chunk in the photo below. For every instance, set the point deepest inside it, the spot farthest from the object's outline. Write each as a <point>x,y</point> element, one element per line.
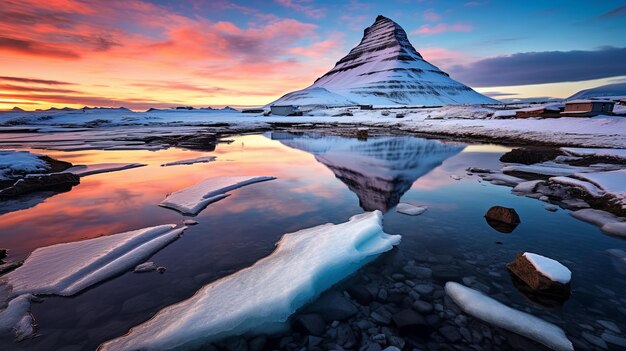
<point>499,178</point>
<point>195,198</point>
<point>189,222</point>
<point>304,264</point>
<point>550,268</point>
<point>410,209</point>
<point>493,312</point>
<point>546,168</point>
<point>66,269</point>
<point>596,217</point>
<point>586,186</point>
<point>617,153</point>
<point>16,317</point>
<point>615,228</point>
<point>202,159</point>
<point>145,267</point>
<point>527,187</point>
<point>86,170</point>
<point>455,177</point>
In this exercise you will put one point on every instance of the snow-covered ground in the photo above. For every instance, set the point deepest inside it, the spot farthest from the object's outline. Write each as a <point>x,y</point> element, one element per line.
<point>459,120</point>
<point>263,296</point>
<point>17,163</point>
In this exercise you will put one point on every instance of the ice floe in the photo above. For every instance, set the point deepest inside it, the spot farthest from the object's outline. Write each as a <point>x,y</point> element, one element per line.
<point>493,312</point>
<point>145,267</point>
<point>527,187</point>
<point>502,179</point>
<point>586,186</point>
<point>195,198</point>
<point>410,209</point>
<point>262,296</point>
<point>85,170</point>
<point>202,159</point>
<point>617,153</point>
<point>612,182</point>
<point>66,269</point>
<point>608,222</point>
<point>550,268</point>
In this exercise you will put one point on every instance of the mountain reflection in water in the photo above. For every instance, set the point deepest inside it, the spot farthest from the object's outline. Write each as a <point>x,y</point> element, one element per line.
<point>378,170</point>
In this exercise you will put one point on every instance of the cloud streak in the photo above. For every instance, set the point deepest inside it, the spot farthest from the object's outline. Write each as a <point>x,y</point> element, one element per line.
<point>442,28</point>
<point>542,67</point>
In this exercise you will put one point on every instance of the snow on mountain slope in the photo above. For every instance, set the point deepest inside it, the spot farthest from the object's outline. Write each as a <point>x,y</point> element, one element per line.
<point>609,90</point>
<point>385,69</point>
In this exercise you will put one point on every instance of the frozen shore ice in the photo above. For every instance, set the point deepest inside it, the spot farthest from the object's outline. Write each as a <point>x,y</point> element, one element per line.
<point>264,295</point>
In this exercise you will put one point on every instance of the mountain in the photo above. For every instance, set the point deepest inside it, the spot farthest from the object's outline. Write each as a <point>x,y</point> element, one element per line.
<point>384,69</point>
<point>379,170</point>
<point>609,90</point>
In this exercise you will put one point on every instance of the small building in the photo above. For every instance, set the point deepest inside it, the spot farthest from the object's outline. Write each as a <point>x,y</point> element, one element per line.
<point>285,110</point>
<point>622,102</point>
<point>587,108</point>
<point>545,111</point>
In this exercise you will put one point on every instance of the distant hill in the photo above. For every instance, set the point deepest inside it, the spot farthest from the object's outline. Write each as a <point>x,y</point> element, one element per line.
<point>609,90</point>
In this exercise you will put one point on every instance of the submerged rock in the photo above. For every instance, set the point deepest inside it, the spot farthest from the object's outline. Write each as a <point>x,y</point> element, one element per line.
<point>145,267</point>
<point>502,219</point>
<point>410,322</point>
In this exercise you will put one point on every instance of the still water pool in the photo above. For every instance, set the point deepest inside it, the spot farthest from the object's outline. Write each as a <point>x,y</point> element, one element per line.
<point>320,179</point>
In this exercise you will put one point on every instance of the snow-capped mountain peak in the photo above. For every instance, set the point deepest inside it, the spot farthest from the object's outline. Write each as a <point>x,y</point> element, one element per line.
<point>384,69</point>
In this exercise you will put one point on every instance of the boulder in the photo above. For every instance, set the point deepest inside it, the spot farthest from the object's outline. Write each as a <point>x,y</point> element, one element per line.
<point>3,254</point>
<point>502,219</point>
<point>332,306</point>
<point>530,156</point>
<point>543,275</point>
<point>32,183</point>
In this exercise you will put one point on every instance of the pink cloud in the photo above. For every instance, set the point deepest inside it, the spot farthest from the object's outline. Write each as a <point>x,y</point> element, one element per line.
<point>431,15</point>
<point>443,28</point>
<point>297,5</point>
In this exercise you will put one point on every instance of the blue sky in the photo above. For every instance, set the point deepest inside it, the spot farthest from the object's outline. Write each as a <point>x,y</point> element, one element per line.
<point>157,53</point>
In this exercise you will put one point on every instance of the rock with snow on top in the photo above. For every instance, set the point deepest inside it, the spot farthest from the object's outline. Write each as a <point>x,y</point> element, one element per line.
<point>542,274</point>
<point>495,313</point>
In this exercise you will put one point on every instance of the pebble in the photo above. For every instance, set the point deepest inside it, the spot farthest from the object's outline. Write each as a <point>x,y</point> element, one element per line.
<point>613,339</point>
<point>450,333</point>
<point>423,306</point>
<point>609,325</point>
<point>424,289</point>
<point>594,340</point>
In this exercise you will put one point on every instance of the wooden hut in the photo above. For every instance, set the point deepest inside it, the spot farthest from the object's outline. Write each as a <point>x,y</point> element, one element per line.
<point>587,108</point>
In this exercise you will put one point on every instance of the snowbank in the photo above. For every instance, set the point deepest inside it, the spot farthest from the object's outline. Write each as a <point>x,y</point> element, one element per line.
<point>193,199</point>
<point>607,222</point>
<point>202,159</point>
<point>85,170</point>
<point>612,182</point>
<point>586,186</point>
<point>550,268</point>
<point>15,163</point>
<point>304,264</point>
<point>66,269</point>
<point>493,312</point>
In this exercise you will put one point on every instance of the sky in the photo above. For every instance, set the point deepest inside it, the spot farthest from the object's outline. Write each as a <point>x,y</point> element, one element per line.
<point>156,53</point>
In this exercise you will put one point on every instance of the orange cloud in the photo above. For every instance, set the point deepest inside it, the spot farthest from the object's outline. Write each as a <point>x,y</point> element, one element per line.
<point>139,54</point>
